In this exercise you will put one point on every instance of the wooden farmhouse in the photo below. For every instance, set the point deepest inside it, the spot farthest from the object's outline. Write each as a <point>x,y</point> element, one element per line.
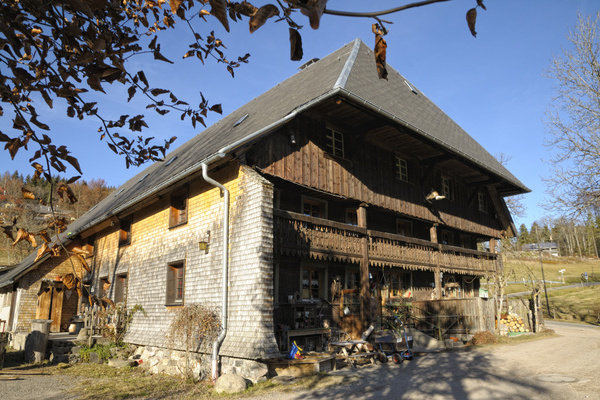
<point>319,201</point>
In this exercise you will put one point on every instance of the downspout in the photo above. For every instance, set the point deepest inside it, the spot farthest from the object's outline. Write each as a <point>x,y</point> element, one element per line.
<point>225,271</point>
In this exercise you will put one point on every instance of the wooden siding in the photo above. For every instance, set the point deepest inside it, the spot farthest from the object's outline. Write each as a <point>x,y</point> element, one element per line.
<point>454,316</point>
<point>367,174</point>
<point>300,235</point>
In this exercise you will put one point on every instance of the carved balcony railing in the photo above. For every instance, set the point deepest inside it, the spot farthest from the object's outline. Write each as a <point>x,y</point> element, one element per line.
<point>298,234</point>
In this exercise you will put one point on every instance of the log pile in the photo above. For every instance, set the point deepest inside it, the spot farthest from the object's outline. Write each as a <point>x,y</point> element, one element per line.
<point>514,323</point>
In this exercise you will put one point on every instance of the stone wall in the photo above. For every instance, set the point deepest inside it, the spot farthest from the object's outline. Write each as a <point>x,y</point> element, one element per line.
<point>173,362</point>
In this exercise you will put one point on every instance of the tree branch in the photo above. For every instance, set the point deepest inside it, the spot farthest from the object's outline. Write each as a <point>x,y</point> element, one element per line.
<point>383,12</point>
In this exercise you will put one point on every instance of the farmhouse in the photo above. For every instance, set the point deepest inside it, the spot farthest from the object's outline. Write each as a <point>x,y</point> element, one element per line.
<point>309,208</point>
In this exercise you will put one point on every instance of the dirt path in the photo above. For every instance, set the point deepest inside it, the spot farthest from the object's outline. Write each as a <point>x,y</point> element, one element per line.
<point>564,367</point>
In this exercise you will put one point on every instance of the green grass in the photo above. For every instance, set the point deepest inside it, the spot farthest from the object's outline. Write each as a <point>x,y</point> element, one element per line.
<point>530,269</point>
<point>577,304</point>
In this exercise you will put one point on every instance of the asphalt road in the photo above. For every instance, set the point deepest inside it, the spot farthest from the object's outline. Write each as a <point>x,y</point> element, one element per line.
<point>576,285</point>
<point>563,367</point>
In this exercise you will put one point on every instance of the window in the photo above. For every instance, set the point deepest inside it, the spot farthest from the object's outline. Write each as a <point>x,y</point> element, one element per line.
<point>334,143</point>
<point>121,289</point>
<point>314,208</point>
<point>125,232</point>
<point>403,227</point>
<point>104,290</point>
<point>401,169</point>
<point>482,202</point>
<point>178,212</point>
<point>351,216</point>
<point>311,283</point>
<point>175,283</point>
<point>447,188</point>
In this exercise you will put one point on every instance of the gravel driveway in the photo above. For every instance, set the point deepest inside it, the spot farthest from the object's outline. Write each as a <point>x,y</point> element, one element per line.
<point>564,367</point>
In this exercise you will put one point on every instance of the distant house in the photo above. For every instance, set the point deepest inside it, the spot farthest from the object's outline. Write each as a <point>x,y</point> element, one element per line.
<point>320,200</point>
<point>550,248</point>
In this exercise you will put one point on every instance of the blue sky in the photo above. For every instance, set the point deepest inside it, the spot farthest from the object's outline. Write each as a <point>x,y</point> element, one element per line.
<point>493,86</point>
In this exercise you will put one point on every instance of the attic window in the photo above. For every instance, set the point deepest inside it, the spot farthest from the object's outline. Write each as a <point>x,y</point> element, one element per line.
<point>170,161</point>
<point>239,121</point>
<point>411,87</point>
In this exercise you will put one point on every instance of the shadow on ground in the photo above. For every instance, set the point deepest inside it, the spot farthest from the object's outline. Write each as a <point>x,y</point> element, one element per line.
<point>455,375</point>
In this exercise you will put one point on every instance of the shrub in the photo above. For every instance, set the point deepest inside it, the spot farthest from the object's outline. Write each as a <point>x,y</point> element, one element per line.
<point>484,337</point>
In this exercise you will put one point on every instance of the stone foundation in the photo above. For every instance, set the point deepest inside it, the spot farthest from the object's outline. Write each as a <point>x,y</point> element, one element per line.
<point>173,362</point>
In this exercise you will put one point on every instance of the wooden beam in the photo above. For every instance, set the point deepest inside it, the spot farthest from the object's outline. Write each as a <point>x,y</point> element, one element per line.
<point>365,295</point>
<point>437,272</point>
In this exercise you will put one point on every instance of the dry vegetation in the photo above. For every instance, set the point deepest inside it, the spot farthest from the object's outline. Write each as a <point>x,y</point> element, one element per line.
<point>577,304</point>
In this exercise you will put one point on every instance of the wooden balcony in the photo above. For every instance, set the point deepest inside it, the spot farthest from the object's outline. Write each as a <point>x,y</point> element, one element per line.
<point>298,234</point>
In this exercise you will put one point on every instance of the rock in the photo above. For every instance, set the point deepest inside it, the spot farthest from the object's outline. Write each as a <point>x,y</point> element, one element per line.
<point>255,371</point>
<point>119,363</point>
<point>95,358</point>
<point>230,383</point>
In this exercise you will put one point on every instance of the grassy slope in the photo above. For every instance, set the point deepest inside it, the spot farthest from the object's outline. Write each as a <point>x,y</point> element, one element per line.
<point>582,304</point>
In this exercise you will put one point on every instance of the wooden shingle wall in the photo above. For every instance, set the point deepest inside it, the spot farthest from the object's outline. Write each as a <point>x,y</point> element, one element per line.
<point>154,245</point>
<point>29,287</point>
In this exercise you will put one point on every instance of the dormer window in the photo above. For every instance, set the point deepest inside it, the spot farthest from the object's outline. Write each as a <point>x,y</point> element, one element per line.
<point>334,144</point>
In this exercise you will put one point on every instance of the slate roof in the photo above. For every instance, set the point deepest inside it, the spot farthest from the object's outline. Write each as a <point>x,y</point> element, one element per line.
<point>348,72</point>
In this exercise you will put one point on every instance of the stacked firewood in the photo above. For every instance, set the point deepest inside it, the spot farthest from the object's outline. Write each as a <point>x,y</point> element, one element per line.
<point>514,323</point>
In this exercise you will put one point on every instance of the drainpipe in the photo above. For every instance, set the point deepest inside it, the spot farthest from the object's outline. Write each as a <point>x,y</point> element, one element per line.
<point>225,271</point>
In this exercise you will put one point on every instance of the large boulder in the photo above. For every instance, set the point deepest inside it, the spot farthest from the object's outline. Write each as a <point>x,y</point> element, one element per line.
<point>230,383</point>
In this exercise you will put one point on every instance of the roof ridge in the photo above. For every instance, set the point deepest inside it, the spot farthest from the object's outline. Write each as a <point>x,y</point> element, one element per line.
<point>345,72</point>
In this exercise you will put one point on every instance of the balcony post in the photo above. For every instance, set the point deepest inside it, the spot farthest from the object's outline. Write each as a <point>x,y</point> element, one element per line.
<point>437,273</point>
<point>365,303</point>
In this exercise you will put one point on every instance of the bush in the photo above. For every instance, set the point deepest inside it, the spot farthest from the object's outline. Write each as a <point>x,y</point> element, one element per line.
<point>484,337</point>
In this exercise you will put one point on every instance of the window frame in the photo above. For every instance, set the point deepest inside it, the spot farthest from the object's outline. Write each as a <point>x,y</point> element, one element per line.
<point>120,292</point>
<point>335,143</point>
<point>179,215</point>
<point>320,278</point>
<point>447,187</point>
<point>104,292</point>
<point>175,281</point>
<point>408,224</point>
<point>482,204</point>
<point>125,227</point>
<point>401,168</point>
<point>306,200</point>
<point>351,216</point>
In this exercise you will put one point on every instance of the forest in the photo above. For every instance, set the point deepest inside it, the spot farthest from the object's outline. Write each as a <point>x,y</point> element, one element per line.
<point>33,215</point>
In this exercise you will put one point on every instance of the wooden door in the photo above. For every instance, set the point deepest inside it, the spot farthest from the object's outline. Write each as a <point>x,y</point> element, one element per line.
<point>44,301</point>
<point>57,304</point>
<point>50,303</point>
